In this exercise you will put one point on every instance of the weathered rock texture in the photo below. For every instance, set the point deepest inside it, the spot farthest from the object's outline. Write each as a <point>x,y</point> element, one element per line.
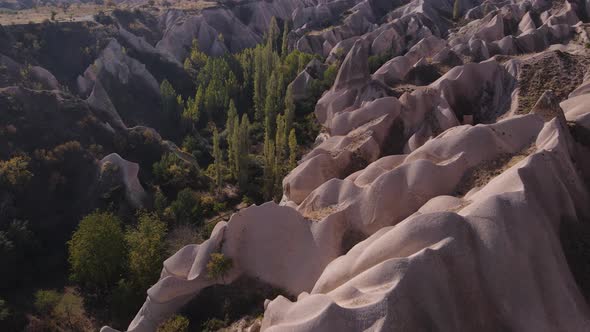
<point>402,218</point>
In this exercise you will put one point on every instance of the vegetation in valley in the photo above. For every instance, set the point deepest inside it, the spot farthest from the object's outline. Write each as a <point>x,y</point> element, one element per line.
<point>239,132</point>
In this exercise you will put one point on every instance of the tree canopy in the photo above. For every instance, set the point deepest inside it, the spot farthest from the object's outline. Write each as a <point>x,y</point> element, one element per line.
<point>97,252</point>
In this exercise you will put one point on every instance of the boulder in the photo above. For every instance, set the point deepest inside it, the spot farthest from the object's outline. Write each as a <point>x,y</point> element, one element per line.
<point>547,107</point>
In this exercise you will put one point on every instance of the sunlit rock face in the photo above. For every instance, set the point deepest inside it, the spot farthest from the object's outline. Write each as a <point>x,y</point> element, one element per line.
<point>446,169</point>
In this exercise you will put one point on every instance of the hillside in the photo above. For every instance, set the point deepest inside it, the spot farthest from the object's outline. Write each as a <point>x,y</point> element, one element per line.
<point>415,165</point>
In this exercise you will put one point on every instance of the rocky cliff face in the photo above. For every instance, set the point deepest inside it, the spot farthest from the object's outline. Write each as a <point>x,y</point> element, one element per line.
<point>435,198</point>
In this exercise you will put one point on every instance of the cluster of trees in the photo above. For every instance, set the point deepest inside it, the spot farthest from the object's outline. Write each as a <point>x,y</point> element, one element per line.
<point>240,132</point>
<point>15,172</point>
<point>115,266</point>
<point>61,311</point>
<point>242,100</point>
<point>100,251</point>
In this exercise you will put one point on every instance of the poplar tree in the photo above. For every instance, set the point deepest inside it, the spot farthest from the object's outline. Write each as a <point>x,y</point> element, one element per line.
<point>191,111</point>
<point>280,156</point>
<point>236,149</point>
<point>292,149</point>
<point>218,159</point>
<point>289,109</point>
<point>280,141</point>
<point>259,83</point>
<point>233,121</point>
<point>271,106</point>
<point>172,104</point>
<point>273,34</point>
<point>285,41</point>
<point>209,101</point>
<point>243,156</point>
<point>269,168</point>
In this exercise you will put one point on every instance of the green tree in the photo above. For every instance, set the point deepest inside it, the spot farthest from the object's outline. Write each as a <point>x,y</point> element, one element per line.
<point>210,99</point>
<point>329,76</point>
<point>457,10</point>
<point>271,106</point>
<point>219,266</point>
<point>191,111</point>
<point>289,109</point>
<point>172,104</point>
<point>70,313</point>
<point>97,253</point>
<point>46,301</point>
<point>292,149</point>
<point>186,209</point>
<point>15,171</point>
<point>235,149</point>
<point>243,152</point>
<point>280,156</point>
<point>259,82</point>
<point>177,323</point>
<point>285,41</point>
<point>281,141</point>
<point>196,59</point>
<point>272,35</point>
<point>176,172</point>
<point>269,169</point>
<point>200,99</point>
<point>232,127</point>
<point>218,160</point>
<point>146,249</point>
<point>168,97</point>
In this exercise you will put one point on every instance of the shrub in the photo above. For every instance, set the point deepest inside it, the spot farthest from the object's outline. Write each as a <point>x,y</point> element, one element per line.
<point>330,76</point>
<point>171,170</point>
<point>146,249</point>
<point>247,200</point>
<point>46,301</point>
<point>97,252</point>
<point>70,314</point>
<point>177,323</point>
<point>186,208</point>
<point>213,324</point>
<point>15,172</point>
<point>207,203</point>
<point>378,60</point>
<point>219,266</point>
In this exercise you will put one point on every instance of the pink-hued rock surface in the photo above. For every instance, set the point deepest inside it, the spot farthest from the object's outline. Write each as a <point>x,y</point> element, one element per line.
<point>426,207</point>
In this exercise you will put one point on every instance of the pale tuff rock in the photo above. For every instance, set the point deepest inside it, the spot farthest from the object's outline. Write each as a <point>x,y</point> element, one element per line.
<point>397,188</point>
<point>526,23</point>
<point>547,107</point>
<point>119,170</point>
<point>13,73</point>
<point>302,84</point>
<point>355,68</point>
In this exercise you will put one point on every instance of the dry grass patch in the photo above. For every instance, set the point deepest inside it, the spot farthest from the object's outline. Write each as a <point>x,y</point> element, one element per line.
<point>558,71</point>
<point>321,213</point>
<point>483,173</point>
<point>73,13</point>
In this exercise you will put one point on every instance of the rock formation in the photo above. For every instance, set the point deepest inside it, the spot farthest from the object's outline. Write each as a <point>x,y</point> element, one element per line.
<point>454,149</point>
